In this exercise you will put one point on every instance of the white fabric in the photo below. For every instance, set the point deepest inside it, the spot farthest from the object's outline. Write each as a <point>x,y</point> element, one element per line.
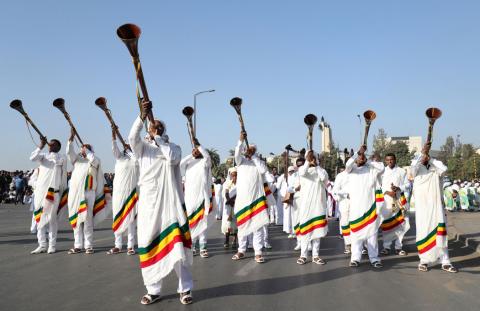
<point>257,242</point>
<point>197,190</point>
<point>52,234</point>
<point>160,203</point>
<point>124,184</point>
<point>372,248</point>
<point>228,211</point>
<point>131,233</point>
<point>185,281</point>
<point>429,212</point>
<point>219,200</point>
<point>315,244</point>
<point>83,233</point>
<point>362,184</point>
<point>249,189</point>
<point>340,191</point>
<point>202,241</point>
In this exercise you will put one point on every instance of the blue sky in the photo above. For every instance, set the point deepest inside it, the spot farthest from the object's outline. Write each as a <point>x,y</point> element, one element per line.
<point>284,58</point>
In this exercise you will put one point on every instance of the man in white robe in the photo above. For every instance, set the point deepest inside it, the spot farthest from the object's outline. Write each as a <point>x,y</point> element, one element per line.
<point>430,219</point>
<point>164,242</point>
<point>218,188</point>
<point>124,197</point>
<point>229,222</point>
<point>396,222</point>
<point>283,189</point>
<point>251,209</point>
<point>340,191</point>
<point>50,183</point>
<point>364,215</point>
<point>195,168</point>
<point>312,209</point>
<point>86,196</point>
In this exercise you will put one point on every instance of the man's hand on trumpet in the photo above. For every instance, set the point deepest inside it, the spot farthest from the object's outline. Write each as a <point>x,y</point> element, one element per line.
<point>43,142</point>
<point>146,109</point>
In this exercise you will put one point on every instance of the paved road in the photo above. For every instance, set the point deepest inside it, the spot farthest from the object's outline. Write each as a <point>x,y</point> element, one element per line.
<point>101,282</point>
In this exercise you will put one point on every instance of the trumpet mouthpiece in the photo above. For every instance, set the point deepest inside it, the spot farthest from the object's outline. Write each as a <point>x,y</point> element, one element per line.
<point>101,102</point>
<point>188,111</point>
<point>310,119</point>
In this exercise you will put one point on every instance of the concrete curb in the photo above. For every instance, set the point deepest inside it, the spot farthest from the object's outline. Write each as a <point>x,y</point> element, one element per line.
<point>458,235</point>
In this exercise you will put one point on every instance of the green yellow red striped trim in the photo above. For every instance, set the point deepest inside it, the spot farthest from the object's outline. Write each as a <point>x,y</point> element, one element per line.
<point>164,243</point>
<point>107,190</point>
<point>50,195</point>
<point>312,224</point>
<point>403,199</point>
<point>38,214</point>
<point>127,207</point>
<point>369,217</point>
<point>250,211</point>
<point>296,229</point>
<point>63,200</point>
<point>89,182</point>
<point>379,196</point>
<point>442,229</point>
<point>346,230</point>
<point>197,215</point>
<point>393,222</point>
<point>428,242</point>
<point>100,203</point>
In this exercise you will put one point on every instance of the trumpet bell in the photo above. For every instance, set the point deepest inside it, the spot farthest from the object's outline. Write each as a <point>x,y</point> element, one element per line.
<point>236,102</point>
<point>129,34</point>
<point>101,103</point>
<point>369,115</point>
<point>188,111</point>
<point>17,105</point>
<point>310,119</point>
<point>59,103</point>
<point>433,113</point>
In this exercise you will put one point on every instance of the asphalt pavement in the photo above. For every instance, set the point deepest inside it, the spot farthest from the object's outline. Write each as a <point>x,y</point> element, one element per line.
<point>101,282</point>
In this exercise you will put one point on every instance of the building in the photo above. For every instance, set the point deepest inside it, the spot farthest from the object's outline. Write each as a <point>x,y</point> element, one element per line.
<point>326,136</point>
<point>414,143</point>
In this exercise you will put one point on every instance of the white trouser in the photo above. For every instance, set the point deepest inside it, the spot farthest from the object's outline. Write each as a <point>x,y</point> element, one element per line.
<point>387,243</point>
<point>372,247</point>
<point>52,233</point>
<point>83,233</point>
<point>202,240</point>
<point>131,230</point>
<point>219,211</point>
<point>185,281</point>
<point>304,243</point>
<point>257,242</point>
<point>265,235</point>
<point>443,256</point>
<point>33,226</point>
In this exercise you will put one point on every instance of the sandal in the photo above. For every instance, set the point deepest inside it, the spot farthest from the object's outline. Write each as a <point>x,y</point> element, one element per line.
<point>204,253</point>
<point>113,251</point>
<point>149,299</point>
<point>301,260</point>
<point>131,251</point>
<point>319,261</point>
<point>186,298</point>
<point>422,267</point>
<point>377,265</point>
<point>385,251</point>
<point>354,264</point>
<point>89,251</point>
<point>74,251</point>
<point>194,252</point>
<point>226,245</point>
<point>238,256</point>
<point>259,259</point>
<point>401,253</point>
<point>449,268</point>
<point>364,252</point>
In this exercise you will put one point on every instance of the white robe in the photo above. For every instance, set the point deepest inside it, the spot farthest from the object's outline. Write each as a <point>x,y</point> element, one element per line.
<point>50,183</point>
<point>340,192</point>
<point>87,175</point>
<point>229,226</point>
<point>364,214</point>
<point>125,194</point>
<point>251,209</point>
<point>396,222</point>
<point>312,209</point>
<point>162,226</point>
<point>430,217</point>
<point>197,191</point>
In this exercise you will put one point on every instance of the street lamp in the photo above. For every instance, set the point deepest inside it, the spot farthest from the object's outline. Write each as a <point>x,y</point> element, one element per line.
<point>195,109</point>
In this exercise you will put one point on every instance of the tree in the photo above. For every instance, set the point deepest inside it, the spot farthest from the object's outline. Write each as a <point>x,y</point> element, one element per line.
<point>214,156</point>
<point>380,143</point>
<point>400,149</point>
<point>447,149</point>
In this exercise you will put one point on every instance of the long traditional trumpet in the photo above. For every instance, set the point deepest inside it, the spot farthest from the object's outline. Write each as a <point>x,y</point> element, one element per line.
<point>432,114</point>
<point>310,120</point>
<point>236,103</point>
<point>59,103</point>
<point>17,105</point>
<point>129,34</point>
<point>101,103</point>
<point>188,113</point>
<point>369,116</point>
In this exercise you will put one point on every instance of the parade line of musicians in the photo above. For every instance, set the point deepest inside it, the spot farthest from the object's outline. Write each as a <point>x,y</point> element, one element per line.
<point>168,202</point>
